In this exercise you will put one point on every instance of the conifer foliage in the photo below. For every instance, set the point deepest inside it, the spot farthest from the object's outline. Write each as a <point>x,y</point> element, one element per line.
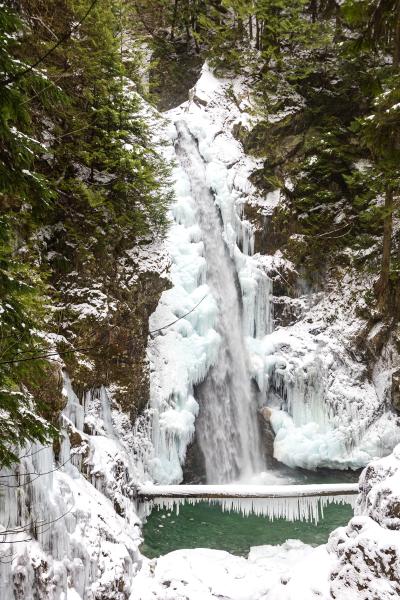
<point>77,162</point>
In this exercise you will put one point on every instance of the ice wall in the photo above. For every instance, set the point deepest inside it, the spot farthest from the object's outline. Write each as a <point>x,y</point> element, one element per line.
<point>227,426</point>
<point>325,411</point>
<point>68,523</point>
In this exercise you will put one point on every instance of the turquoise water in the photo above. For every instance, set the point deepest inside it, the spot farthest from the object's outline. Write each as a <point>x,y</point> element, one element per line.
<point>207,526</point>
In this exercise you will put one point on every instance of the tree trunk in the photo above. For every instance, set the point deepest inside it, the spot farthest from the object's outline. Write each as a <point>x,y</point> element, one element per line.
<point>174,17</point>
<point>396,46</point>
<point>382,286</point>
<point>257,34</point>
<point>314,10</point>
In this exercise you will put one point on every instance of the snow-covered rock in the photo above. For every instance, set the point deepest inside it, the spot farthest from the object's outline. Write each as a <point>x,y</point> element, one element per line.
<point>368,549</point>
<point>69,528</point>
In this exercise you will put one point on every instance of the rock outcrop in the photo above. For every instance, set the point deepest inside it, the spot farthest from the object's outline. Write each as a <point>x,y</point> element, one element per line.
<point>368,549</point>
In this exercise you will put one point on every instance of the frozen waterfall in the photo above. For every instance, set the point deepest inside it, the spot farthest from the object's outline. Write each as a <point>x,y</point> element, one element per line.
<point>227,425</point>
<point>219,307</point>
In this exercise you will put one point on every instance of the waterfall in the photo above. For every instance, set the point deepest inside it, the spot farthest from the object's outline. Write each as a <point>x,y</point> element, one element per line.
<point>227,425</point>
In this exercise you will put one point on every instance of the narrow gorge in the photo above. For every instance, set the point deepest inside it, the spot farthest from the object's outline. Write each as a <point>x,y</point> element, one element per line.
<point>199,301</point>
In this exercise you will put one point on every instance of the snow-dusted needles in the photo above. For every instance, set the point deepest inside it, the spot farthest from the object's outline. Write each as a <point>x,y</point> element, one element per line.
<point>291,502</point>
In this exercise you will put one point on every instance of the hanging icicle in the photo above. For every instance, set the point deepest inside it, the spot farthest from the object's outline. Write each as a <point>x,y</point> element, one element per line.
<point>290,502</point>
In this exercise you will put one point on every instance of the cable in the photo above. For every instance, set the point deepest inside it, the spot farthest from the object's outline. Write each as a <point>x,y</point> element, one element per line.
<point>50,354</point>
<point>6,485</point>
<point>46,54</point>
<point>17,360</point>
<point>176,320</point>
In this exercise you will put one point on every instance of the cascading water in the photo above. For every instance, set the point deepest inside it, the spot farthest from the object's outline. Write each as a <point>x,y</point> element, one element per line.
<point>227,425</point>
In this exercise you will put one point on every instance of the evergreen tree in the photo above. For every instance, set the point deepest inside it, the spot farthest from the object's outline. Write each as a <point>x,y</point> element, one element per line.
<point>24,193</point>
<point>76,149</point>
<point>377,24</point>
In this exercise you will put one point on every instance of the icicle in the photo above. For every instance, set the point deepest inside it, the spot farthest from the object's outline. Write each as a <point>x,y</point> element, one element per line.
<point>73,409</point>
<point>291,509</point>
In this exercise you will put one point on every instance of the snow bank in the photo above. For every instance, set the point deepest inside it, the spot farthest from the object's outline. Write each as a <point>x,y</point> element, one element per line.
<point>368,549</point>
<point>203,574</point>
<point>72,529</point>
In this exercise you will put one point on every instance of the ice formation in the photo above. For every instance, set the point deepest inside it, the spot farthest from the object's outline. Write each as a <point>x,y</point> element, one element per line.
<point>325,413</point>
<point>227,425</point>
<point>212,273</point>
<point>60,533</point>
<point>70,522</point>
<point>324,410</point>
<point>291,502</point>
<point>360,561</point>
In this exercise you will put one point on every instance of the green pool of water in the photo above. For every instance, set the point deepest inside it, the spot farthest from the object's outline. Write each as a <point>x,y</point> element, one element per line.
<point>207,526</point>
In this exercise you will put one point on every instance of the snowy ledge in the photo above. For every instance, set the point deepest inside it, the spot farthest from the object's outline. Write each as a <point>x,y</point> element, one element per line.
<point>149,492</point>
<point>291,502</point>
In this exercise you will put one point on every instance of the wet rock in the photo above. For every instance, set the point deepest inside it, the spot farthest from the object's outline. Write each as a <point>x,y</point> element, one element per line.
<point>267,436</point>
<point>377,338</point>
<point>395,396</point>
<point>194,469</point>
<point>287,311</point>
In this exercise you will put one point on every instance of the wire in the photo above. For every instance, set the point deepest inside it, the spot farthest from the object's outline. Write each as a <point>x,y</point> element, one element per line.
<point>46,54</point>
<point>24,456</point>
<point>176,320</point>
<point>52,84</point>
<point>6,485</point>
<point>41,356</point>
<point>50,354</point>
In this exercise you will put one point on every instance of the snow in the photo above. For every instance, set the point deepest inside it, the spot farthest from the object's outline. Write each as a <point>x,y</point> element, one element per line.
<point>360,561</point>
<point>83,548</point>
<point>330,412</point>
<point>247,491</point>
<point>325,411</point>
<point>368,549</point>
<point>285,572</point>
<point>271,201</point>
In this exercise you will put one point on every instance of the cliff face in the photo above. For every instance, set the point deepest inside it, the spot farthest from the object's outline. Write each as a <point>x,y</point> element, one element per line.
<point>339,353</point>
<point>107,314</point>
<point>328,369</point>
<point>70,527</point>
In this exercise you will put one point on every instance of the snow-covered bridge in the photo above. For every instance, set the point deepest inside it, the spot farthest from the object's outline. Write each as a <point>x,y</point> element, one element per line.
<point>293,502</point>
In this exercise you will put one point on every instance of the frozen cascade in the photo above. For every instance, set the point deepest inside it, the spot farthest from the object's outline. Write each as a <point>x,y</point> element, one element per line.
<point>182,355</point>
<point>303,393</point>
<point>227,424</point>
<point>315,392</point>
